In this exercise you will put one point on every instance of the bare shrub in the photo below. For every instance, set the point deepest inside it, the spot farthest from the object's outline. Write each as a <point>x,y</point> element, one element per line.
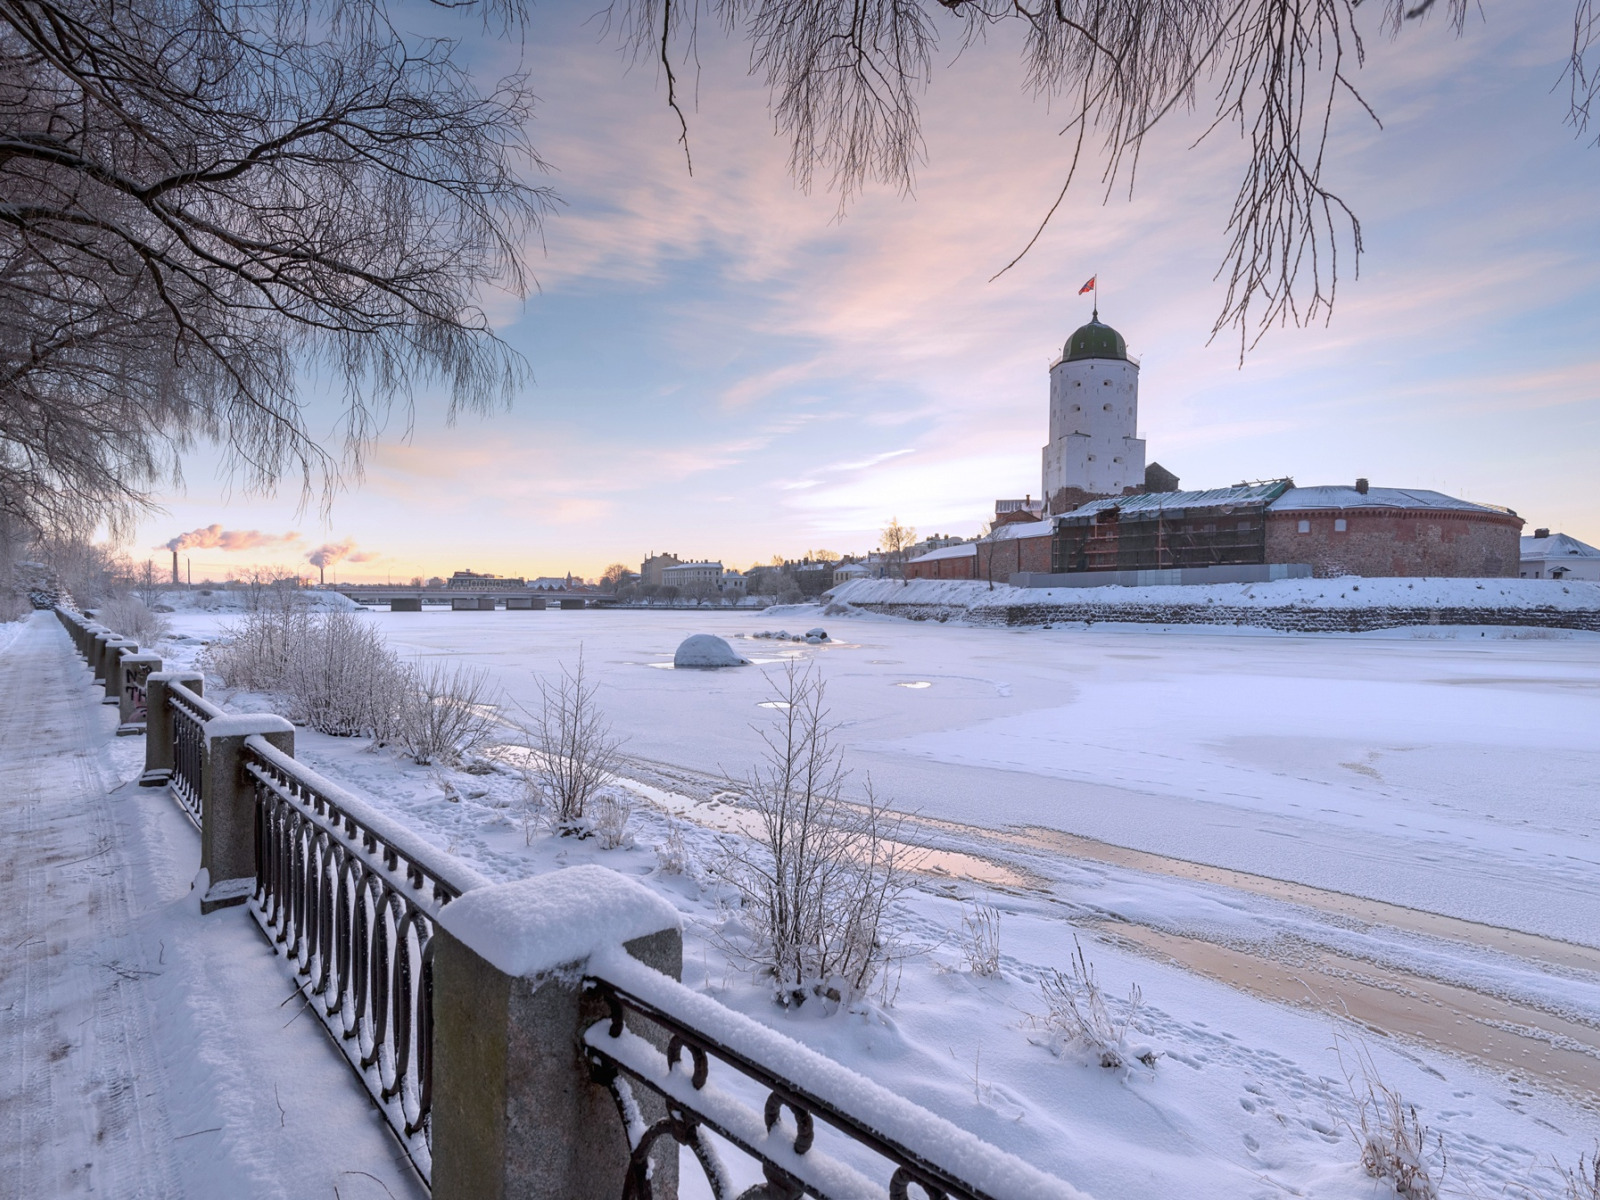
<point>1395,1144</point>
<point>1079,1017</point>
<point>13,607</point>
<point>445,712</point>
<point>1584,1183</point>
<point>129,616</point>
<point>573,748</point>
<point>610,812</point>
<point>820,875</point>
<point>980,943</point>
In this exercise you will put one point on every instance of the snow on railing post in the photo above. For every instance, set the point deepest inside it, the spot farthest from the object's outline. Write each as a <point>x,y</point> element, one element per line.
<point>110,662</point>
<point>159,734</point>
<point>228,806</point>
<point>133,674</point>
<point>515,1109</point>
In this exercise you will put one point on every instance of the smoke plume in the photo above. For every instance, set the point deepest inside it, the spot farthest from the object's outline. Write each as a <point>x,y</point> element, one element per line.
<point>215,537</point>
<point>334,552</point>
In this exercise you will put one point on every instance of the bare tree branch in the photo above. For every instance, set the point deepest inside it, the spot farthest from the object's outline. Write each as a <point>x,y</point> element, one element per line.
<point>200,200</point>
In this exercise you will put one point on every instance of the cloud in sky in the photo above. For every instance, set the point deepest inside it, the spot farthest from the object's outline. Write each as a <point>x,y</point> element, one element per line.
<point>727,366</point>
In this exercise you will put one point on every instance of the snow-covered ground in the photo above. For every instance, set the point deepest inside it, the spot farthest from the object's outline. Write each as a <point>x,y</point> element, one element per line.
<point>1228,819</point>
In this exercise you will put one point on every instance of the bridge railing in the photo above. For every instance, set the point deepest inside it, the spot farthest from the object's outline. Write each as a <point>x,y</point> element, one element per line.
<point>531,1037</point>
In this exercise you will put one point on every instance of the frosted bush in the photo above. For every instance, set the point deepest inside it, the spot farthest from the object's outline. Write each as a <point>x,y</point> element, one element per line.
<point>254,653</point>
<point>344,680</point>
<point>609,816</point>
<point>672,856</point>
<point>445,712</point>
<point>1079,1016</point>
<point>980,944</point>
<point>129,616</point>
<point>334,669</point>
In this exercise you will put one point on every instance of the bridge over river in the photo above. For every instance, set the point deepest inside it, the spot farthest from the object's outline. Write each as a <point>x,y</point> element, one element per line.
<point>407,599</point>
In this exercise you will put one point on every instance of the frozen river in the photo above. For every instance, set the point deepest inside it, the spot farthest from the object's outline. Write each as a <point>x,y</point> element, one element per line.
<point>1454,773</point>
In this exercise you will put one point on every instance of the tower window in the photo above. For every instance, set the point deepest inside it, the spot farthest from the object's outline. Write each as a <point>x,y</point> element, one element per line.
<point>1305,526</point>
<point>1339,525</point>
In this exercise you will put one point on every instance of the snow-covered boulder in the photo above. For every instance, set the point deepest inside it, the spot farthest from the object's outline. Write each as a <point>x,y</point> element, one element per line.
<point>706,651</point>
<point>816,635</point>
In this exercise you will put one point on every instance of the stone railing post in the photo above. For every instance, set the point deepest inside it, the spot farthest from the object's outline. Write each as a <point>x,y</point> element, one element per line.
<point>133,673</point>
<point>158,733</point>
<point>515,1112</point>
<point>116,649</point>
<point>97,651</point>
<point>228,807</point>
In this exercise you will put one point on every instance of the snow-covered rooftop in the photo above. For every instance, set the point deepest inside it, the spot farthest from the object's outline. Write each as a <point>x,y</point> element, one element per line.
<point>1223,497</point>
<point>1557,545</point>
<point>1301,499</point>
<point>965,550</point>
<point>1023,529</point>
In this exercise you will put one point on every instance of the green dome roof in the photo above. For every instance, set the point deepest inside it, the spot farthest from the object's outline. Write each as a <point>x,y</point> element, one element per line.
<point>1095,340</point>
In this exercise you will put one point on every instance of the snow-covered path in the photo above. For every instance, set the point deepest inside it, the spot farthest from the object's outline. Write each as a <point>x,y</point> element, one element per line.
<point>147,1051</point>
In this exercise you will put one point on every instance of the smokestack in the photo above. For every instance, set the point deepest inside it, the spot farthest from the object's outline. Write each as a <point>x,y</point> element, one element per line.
<point>322,575</point>
<point>174,568</point>
<point>1361,486</point>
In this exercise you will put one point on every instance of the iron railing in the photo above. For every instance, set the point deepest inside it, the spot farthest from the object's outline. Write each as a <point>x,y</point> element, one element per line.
<point>190,712</point>
<point>351,900</point>
<point>909,1147</point>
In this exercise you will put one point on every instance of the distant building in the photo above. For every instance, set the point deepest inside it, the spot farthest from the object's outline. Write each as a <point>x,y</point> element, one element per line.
<point>1106,509</point>
<point>1548,555</point>
<point>1027,509</point>
<point>551,583</point>
<point>689,575</point>
<point>654,564</point>
<point>474,581</point>
<point>733,584</point>
<point>847,571</point>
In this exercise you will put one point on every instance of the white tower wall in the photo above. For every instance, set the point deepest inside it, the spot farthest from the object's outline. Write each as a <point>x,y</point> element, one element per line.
<point>1094,415</point>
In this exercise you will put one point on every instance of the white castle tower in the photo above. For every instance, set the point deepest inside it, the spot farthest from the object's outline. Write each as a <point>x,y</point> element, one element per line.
<point>1094,415</point>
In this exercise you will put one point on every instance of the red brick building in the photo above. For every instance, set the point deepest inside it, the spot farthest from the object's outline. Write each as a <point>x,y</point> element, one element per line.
<point>952,562</point>
<point>1392,531</point>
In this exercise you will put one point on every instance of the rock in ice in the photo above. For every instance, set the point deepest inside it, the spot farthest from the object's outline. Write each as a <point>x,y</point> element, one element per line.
<point>706,651</point>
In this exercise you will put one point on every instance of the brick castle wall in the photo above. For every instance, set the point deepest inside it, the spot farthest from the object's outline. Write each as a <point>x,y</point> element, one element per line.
<point>1288,618</point>
<point>1389,542</point>
<point>998,560</point>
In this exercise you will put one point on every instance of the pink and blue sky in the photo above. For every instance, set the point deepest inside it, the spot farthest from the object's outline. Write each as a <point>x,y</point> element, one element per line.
<point>725,368</point>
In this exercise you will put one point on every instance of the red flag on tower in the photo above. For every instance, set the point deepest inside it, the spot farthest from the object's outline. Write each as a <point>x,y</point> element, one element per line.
<point>1088,287</point>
